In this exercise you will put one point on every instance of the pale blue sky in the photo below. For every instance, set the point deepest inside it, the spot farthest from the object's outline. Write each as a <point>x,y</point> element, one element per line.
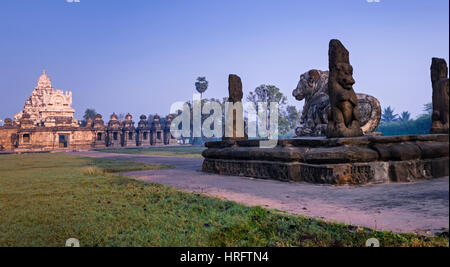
<point>140,56</point>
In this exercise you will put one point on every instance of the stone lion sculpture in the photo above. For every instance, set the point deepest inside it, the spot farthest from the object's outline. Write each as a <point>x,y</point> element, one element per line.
<point>313,88</point>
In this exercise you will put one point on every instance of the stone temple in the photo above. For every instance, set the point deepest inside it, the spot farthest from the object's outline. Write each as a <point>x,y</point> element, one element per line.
<point>47,122</point>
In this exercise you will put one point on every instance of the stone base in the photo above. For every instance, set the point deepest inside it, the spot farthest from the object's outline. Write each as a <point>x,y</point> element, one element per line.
<point>361,160</point>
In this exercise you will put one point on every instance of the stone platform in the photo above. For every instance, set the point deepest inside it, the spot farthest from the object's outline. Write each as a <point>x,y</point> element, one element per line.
<point>357,160</point>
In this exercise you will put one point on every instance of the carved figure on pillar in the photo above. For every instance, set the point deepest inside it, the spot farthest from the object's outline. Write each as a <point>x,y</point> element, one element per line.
<point>343,115</point>
<point>439,80</point>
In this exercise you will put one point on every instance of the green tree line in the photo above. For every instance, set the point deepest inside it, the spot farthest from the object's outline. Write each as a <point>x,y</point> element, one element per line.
<point>402,124</point>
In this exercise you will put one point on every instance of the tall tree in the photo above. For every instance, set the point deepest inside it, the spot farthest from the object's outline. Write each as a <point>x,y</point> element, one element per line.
<point>201,85</point>
<point>90,113</point>
<point>405,116</point>
<point>420,125</point>
<point>389,115</point>
<point>270,93</point>
<point>293,116</point>
<point>267,93</point>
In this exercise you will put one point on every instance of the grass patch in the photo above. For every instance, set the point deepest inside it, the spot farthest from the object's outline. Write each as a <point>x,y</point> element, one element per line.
<point>47,198</point>
<point>114,166</point>
<point>171,151</point>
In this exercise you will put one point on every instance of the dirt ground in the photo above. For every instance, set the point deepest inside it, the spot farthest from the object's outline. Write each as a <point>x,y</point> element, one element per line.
<point>421,207</point>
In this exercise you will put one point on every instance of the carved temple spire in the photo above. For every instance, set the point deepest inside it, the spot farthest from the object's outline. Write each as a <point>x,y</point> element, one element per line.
<point>44,80</point>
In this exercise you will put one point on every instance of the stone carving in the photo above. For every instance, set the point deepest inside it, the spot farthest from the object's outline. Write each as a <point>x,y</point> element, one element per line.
<point>313,88</point>
<point>8,122</point>
<point>440,83</point>
<point>343,115</point>
<point>370,109</point>
<point>114,123</point>
<point>356,160</point>
<point>26,121</point>
<point>143,122</point>
<point>98,122</point>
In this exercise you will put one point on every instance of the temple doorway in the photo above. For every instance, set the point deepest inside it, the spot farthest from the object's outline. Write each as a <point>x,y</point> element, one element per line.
<point>63,141</point>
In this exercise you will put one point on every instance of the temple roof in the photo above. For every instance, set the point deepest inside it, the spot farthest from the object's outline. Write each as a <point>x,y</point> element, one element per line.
<point>44,80</point>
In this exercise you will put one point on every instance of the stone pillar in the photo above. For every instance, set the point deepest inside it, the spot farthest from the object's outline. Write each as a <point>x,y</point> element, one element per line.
<point>343,115</point>
<point>234,122</point>
<point>440,83</point>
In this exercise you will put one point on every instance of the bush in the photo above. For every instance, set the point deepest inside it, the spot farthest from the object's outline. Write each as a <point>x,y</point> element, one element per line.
<point>421,125</point>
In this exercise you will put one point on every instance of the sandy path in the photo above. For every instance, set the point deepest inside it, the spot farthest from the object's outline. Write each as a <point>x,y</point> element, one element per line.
<point>421,207</point>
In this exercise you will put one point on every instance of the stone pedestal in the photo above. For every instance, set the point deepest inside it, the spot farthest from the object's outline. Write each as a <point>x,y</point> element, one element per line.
<point>358,160</point>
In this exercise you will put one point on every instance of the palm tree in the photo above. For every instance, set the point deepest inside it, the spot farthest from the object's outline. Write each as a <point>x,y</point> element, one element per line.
<point>405,116</point>
<point>201,85</point>
<point>388,115</point>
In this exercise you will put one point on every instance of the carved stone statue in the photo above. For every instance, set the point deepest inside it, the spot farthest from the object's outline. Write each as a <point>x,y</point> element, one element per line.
<point>343,115</point>
<point>440,83</point>
<point>313,88</point>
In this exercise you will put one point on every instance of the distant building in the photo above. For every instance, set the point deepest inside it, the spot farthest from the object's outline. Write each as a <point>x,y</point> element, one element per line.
<point>47,122</point>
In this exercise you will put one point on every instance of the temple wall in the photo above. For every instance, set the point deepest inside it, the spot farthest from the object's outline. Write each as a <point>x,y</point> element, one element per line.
<point>53,138</point>
<point>6,135</point>
<point>56,138</point>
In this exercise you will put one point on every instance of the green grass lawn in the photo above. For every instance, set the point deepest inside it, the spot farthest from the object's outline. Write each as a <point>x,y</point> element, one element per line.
<point>173,151</point>
<point>47,198</point>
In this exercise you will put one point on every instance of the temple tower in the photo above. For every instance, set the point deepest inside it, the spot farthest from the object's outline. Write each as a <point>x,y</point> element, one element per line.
<point>143,132</point>
<point>99,131</point>
<point>128,132</point>
<point>48,107</point>
<point>156,132</point>
<point>169,139</point>
<point>114,132</point>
